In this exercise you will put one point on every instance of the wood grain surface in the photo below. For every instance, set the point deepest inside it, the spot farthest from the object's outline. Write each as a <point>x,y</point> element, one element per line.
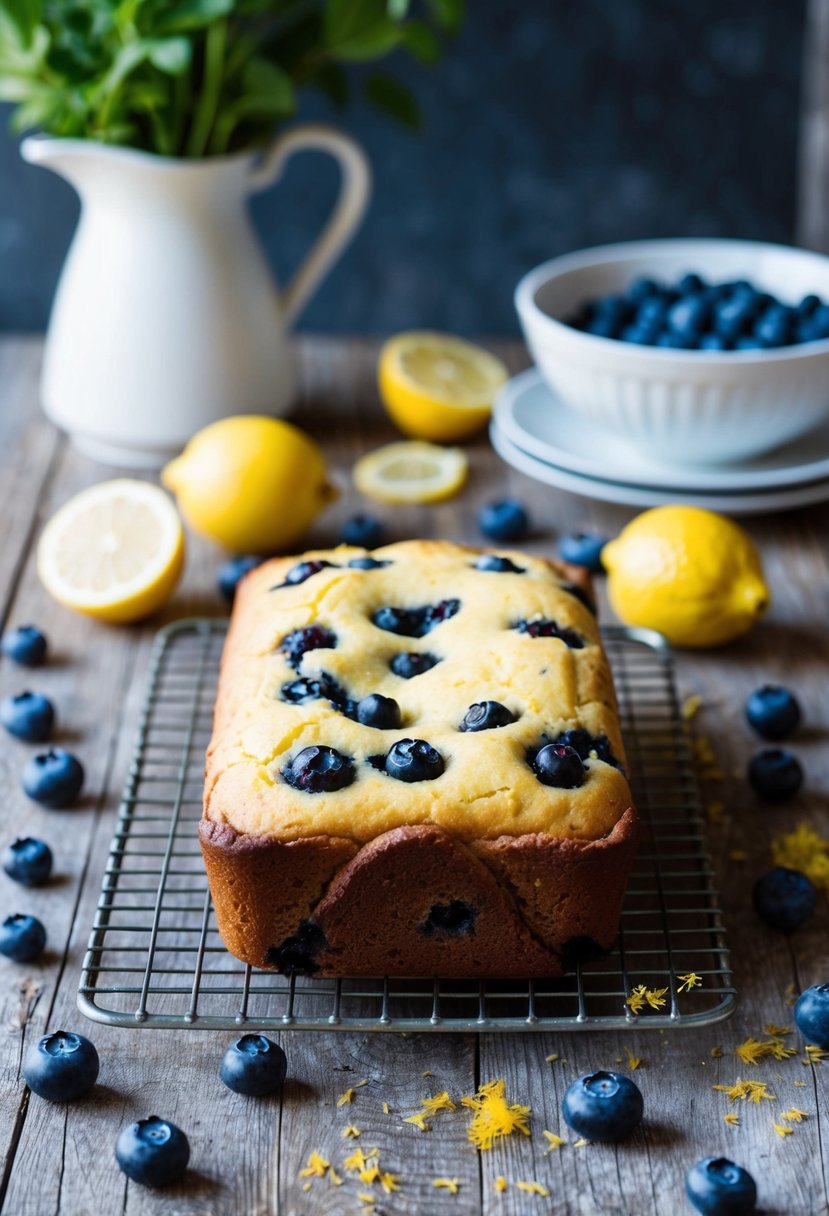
<point>246,1155</point>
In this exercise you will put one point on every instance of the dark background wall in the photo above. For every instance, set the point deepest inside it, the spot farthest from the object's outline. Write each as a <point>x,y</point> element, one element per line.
<point>550,125</point>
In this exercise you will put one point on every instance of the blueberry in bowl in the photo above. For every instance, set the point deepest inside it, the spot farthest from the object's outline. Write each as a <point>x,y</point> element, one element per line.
<point>603,1106</point>
<point>784,899</point>
<point>53,778</point>
<point>152,1152</point>
<point>775,775</point>
<point>22,938</point>
<point>28,861</point>
<point>28,716</point>
<point>253,1065</point>
<point>716,1186</point>
<point>25,645</point>
<point>773,712</point>
<point>811,1013</point>
<point>61,1067</point>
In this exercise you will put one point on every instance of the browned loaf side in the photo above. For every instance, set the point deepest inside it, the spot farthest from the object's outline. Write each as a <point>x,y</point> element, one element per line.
<point>482,872</point>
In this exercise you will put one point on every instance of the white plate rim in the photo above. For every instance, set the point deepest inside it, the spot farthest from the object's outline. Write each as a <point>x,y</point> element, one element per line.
<point>694,480</point>
<point>631,495</point>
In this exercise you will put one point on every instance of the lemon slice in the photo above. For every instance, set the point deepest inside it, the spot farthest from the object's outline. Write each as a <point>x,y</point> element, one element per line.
<point>438,387</point>
<point>113,552</point>
<point>411,473</point>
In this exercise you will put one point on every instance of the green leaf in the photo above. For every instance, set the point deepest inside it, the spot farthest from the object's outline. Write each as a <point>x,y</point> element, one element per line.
<point>387,94</point>
<point>171,55</point>
<point>398,10</point>
<point>422,43</point>
<point>24,15</point>
<point>360,30</point>
<point>449,14</point>
<point>193,15</point>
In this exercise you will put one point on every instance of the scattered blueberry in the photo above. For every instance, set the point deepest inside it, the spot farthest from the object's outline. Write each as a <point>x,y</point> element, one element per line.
<point>504,521</point>
<point>22,938</point>
<point>312,637</point>
<point>28,861</point>
<point>717,1187</point>
<point>25,645</point>
<point>254,1066</point>
<point>415,622</point>
<point>364,531</point>
<point>53,778</point>
<point>550,629</point>
<point>366,563</point>
<point>61,1066</point>
<point>784,899</point>
<point>302,571</point>
<point>410,664</point>
<point>414,760</point>
<point>558,765</point>
<point>486,715</point>
<point>811,1013</point>
<point>318,770</point>
<point>583,549</point>
<point>775,774</point>
<point>28,716</point>
<point>603,1106</point>
<point>152,1152</point>
<point>490,562</point>
<point>773,711</point>
<point>230,574</point>
<point>383,713</point>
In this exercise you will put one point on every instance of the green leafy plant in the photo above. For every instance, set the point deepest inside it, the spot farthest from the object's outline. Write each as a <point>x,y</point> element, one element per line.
<point>205,77</point>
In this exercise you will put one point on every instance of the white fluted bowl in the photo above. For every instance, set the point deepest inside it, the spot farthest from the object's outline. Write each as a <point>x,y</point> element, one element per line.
<point>700,407</point>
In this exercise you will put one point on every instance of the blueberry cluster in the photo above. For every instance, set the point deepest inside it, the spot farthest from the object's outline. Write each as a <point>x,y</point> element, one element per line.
<point>415,622</point>
<point>551,629</point>
<point>694,315</point>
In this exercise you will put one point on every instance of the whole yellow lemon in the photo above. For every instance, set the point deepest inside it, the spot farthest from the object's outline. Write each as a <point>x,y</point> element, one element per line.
<point>251,483</point>
<point>692,574</point>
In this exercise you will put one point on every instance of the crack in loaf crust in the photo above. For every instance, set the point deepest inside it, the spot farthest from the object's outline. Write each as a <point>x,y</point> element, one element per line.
<point>483,871</point>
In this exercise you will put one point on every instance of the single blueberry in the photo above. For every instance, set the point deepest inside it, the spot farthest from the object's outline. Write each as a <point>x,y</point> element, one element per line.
<point>408,665</point>
<point>26,645</point>
<point>774,712</point>
<point>152,1152</point>
<point>22,938</point>
<point>811,1013</point>
<point>808,305</point>
<point>53,778</point>
<point>302,571</point>
<point>603,1106</point>
<point>688,316</point>
<point>584,743</point>
<point>690,284</point>
<point>486,715</point>
<point>642,289</point>
<point>313,637</point>
<point>415,622</point>
<point>498,565</point>
<point>651,313</point>
<point>364,531</point>
<point>230,575</point>
<point>713,342</point>
<point>784,899</point>
<point>366,563</point>
<point>716,1186</point>
<point>774,326</point>
<point>61,1066</point>
<point>254,1066</point>
<point>319,770</point>
<point>383,713</point>
<point>582,549</point>
<point>504,521</point>
<point>731,317</point>
<point>559,766</point>
<point>550,629</point>
<point>28,861</point>
<point>638,335</point>
<point>28,716</point>
<point>775,774</point>
<point>414,760</point>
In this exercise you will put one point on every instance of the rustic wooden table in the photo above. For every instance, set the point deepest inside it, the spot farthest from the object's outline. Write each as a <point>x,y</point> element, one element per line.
<point>246,1155</point>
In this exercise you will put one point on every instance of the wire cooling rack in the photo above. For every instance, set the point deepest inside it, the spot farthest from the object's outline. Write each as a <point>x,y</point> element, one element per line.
<point>155,958</point>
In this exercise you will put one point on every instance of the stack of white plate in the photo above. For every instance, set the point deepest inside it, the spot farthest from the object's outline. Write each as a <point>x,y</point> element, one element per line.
<point>533,431</point>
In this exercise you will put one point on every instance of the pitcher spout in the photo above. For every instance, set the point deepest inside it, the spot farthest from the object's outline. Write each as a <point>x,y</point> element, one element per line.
<point>71,158</point>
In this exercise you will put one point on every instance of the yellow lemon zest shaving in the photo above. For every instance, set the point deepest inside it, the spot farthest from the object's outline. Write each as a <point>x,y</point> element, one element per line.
<point>447,1184</point>
<point>533,1188</point>
<point>751,1091</point>
<point>500,1184</point>
<point>493,1116</point>
<point>419,1120</point>
<point>438,1102</point>
<point>386,1108</point>
<point>334,1177</point>
<point>389,1181</point>
<point>553,1140</point>
<point>580,1143</point>
<point>806,850</point>
<point>732,1120</point>
<point>315,1167</point>
<point>347,1098</point>
<point>781,1130</point>
<point>350,1132</point>
<point>689,981</point>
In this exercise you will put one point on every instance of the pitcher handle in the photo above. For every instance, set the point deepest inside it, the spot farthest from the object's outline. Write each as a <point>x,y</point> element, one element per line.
<point>348,209</point>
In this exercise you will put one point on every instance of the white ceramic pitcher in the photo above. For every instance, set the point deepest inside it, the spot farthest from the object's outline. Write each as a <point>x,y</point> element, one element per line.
<point>167,316</point>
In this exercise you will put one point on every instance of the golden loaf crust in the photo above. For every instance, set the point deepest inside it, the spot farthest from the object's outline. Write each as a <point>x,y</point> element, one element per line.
<point>297,876</point>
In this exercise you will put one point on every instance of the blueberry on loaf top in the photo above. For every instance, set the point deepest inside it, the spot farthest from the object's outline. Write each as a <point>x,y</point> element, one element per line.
<point>423,682</point>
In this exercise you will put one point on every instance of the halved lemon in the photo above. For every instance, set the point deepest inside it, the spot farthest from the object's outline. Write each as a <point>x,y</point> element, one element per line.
<point>114,552</point>
<point>438,387</point>
<point>411,472</point>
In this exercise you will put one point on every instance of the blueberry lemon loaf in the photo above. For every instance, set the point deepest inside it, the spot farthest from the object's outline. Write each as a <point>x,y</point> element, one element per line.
<point>416,767</point>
